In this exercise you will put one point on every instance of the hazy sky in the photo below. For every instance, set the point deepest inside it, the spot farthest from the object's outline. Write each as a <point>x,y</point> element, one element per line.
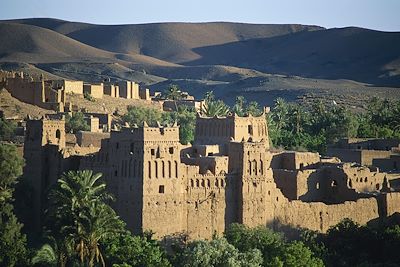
<point>374,14</point>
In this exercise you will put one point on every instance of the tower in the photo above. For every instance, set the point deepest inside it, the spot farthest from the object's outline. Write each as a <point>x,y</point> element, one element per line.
<point>44,138</point>
<point>146,178</point>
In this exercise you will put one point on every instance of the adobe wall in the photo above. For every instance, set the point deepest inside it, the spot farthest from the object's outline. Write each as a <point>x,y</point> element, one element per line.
<point>296,184</point>
<point>297,160</point>
<point>70,86</point>
<point>129,90</point>
<point>232,128</point>
<point>210,205</point>
<point>144,94</point>
<point>214,130</point>
<point>391,203</point>
<point>111,90</point>
<point>105,120</point>
<point>25,90</point>
<point>95,90</point>
<point>319,216</point>
<point>86,139</point>
<point>390,164</point>
<point>367,156</point>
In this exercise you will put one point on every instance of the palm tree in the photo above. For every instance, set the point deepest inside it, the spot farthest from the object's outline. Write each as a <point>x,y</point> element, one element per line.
<point>46,255</point>
<point>239,107</point>
<point>79,218</point>
<point>214,107</point>
<point>173,93</point>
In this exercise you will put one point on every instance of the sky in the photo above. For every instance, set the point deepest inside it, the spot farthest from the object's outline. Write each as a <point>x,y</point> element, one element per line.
<point>373,14</point>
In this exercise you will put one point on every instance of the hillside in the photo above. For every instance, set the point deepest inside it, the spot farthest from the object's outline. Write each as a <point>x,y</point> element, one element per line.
<point>262,62</point>
<point>348,53</point>
<point>32,44</point>
<point>173,42</point>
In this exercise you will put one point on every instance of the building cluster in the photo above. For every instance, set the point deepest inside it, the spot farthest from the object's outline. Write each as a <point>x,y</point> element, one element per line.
<point>228,175</point>
<point>52,94</point>
<point>382,153</point>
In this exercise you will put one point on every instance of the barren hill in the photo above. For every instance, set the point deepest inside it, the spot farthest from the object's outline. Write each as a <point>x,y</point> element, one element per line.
<point>260,61</point>
<point>33,44</point>
<point>348,53</point>
<point>173,42</point>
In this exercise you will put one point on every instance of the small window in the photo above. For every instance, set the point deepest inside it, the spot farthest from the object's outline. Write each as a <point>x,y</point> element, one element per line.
<point>317,186</point>
<point>210,154</point>
<point>161,189</point>
<point>58,134</point>
<point>171,150</point>
<point>153,151</point>
<point>250,129</point>
<point>132,148</point>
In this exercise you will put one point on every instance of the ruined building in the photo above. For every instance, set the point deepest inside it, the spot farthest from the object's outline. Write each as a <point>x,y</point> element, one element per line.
<point>228,175</point>
<point>44,94</point>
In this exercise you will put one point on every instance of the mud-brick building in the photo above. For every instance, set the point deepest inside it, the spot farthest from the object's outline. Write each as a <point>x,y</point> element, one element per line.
<point>228,175</point>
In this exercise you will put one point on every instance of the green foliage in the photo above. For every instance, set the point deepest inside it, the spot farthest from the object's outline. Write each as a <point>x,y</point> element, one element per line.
<point>172,93</point>
<point>293,126</point>
<point>89,97</point>
<point>76,123</point>
<point>275,250</point>
<point>79,219</point>
<point>123,249</point>
<point>296,254</point>
<point>139,115</point>
<point>213,107</point>
<point>46,255</point>
<point>12,242</point>
<point>241,107</point>
<point>184,116</point>
<point>218,252</point>
<point>244,238</point>
<point>7,129</point>
<point>10,168</point>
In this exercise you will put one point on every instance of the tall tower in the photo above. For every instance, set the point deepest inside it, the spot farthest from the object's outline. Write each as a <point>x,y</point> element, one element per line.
<point>146,178</point>
<point>43,140</point>
<point>249,161</point>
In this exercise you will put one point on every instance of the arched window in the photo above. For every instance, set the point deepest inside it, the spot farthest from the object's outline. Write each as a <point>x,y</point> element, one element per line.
<point>216,182</point>
<point>156,166</point>
<point>208,183</point>
<point>261,167</point>
<point>249,167</point>
<point>163,168</point>
<point>191,183</point>
<point>176,169</point>
<point>197,183</point>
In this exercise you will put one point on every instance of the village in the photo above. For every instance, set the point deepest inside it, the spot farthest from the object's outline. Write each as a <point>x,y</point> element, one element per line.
<point>229,174</point>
